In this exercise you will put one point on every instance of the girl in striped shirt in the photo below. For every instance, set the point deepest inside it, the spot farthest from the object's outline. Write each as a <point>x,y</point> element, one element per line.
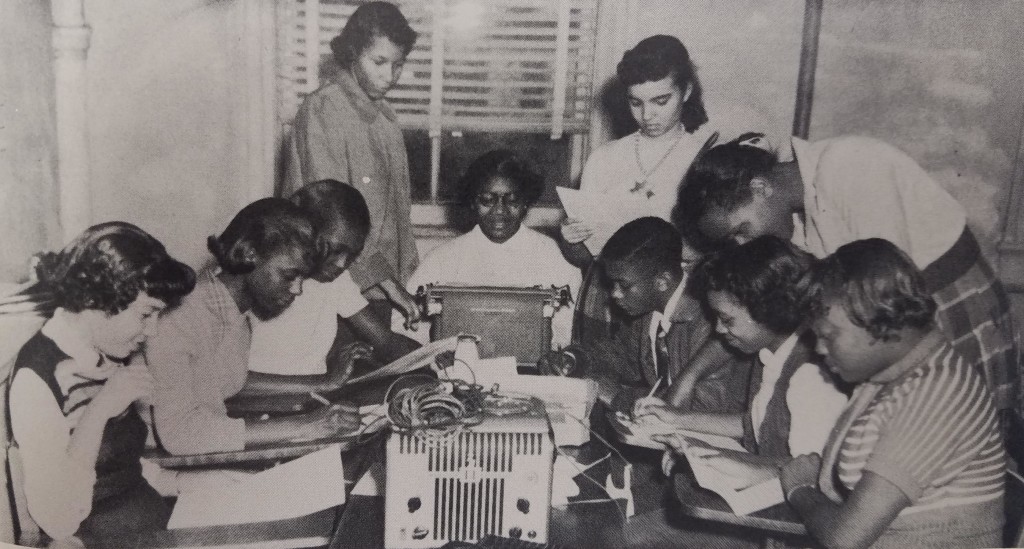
<point>916,459</point>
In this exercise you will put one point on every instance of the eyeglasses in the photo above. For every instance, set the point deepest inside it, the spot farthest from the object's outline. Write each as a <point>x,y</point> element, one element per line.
<point>489,200</point>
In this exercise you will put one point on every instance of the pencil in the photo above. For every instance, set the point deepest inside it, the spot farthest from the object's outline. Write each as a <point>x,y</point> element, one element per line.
<point>319,398</point>
<point>655,388</point>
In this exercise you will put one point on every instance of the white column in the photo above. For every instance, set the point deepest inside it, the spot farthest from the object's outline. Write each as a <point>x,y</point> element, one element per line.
<point>70,44</point>
<point>258,109</point>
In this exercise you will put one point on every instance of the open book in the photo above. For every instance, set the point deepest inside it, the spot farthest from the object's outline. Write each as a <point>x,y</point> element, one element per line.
<point>742,501</point>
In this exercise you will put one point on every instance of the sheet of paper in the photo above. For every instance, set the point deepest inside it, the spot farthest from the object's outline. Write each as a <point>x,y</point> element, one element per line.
<point>603,215</point>
<point>300,487</point>
<point>742,502</point>
<point>415,360</point>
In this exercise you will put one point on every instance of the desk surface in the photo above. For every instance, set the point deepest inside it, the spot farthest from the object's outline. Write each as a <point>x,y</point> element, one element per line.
<point>704,504</point>
<point>309,531</point>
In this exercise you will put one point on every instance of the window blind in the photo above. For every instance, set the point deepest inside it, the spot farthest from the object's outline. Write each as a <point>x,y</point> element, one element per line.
<point>478,65</point>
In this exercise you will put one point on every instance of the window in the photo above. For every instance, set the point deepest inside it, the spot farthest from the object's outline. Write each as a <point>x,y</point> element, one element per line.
<point>484,74</point>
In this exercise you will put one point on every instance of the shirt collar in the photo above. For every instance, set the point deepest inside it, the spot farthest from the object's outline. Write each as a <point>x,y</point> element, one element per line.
<point>515,240</point>
<point>367,108</point>
<point>807,162</point>
<point>217,296</point>
<point>666,317</point>
<point>69,339</point>
<point>912,360</point>
<point>772,360</point>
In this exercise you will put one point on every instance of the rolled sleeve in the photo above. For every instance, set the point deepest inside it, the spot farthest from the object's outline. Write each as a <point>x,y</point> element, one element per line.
<point>814,405</point>
<point>58,489</point>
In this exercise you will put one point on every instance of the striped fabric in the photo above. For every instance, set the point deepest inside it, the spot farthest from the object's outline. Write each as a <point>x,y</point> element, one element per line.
<point>932,431</point>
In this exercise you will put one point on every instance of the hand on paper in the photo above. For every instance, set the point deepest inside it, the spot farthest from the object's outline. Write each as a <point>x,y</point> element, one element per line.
<point>663,412</point>
<point>126,385</point>
<point>801,470</point>
<point>336,419</point>
<point>575,231</point>
<point>340,363</point>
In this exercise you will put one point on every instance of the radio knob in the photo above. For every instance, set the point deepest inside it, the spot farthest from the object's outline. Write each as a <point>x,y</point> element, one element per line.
<point>523,505</point>
<point>414,504</point>
<point>515,532</point>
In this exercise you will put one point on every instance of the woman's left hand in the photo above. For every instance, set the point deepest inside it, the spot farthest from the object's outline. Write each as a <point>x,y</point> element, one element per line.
<point>800,471</point>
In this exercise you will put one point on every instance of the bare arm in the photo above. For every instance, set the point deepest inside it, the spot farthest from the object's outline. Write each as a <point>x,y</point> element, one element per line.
<point>711,355</point>
<point>387,345</point>
<point>854,523</point>
<point>857,522</point>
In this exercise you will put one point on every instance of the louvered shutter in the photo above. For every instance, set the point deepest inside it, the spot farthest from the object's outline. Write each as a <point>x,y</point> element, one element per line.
<point>503,65</point>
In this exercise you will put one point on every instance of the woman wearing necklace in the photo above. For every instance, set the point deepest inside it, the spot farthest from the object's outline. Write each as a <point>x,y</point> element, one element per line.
<point>665,100</point>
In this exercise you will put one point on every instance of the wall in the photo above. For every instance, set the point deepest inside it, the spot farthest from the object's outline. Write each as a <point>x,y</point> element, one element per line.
<point>167,131</point>
<point>942,80</point>
<point>169,120</point>
<point>28,161</point>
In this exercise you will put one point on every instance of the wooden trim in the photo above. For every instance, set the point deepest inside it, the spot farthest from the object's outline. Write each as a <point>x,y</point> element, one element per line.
<point>808,68</point>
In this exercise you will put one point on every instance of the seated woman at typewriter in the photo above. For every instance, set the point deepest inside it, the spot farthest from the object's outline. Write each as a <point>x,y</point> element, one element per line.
<point>496,191</point>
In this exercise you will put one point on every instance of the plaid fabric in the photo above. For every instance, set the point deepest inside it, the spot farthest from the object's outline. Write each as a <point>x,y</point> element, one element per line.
<point>974,314</point>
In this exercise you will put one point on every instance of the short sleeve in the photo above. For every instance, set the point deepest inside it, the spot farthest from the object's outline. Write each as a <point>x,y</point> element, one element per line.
<point>935,431</point>
<point>349,297</point>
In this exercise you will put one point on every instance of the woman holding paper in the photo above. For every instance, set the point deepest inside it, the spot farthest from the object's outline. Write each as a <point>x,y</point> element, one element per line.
<point>757,293</point>
<point>640,173</point>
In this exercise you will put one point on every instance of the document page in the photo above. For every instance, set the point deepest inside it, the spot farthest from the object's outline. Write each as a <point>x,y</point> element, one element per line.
<point>744,501</point>
<point>602,214</point>
<point>300,487</point>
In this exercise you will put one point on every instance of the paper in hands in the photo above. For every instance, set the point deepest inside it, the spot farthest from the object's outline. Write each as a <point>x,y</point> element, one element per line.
<point>743,501</point>
<point>604,214</point>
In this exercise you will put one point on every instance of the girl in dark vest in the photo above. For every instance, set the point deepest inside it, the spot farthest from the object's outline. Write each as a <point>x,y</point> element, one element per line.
<point>757,292</point>
<point>73,398</point>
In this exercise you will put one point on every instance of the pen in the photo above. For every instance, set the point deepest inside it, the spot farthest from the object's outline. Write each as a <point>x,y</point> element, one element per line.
<point>655,388</point>
<point>319,398</point>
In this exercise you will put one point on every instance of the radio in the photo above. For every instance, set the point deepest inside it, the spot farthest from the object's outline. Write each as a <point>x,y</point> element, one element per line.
<point>493,478</point>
